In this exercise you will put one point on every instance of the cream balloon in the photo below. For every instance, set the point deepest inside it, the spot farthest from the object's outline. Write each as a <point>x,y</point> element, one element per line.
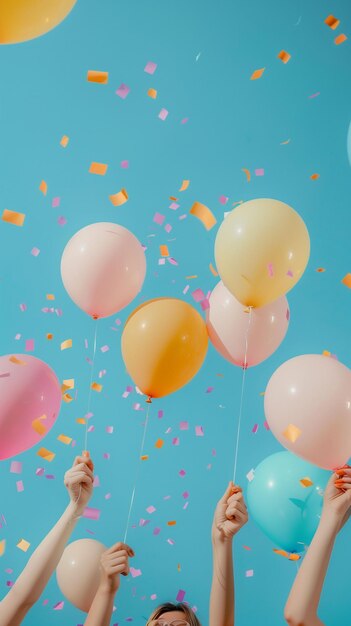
<point>236,332</point>
<point>262,248</point>
<point>103,268</point>
<point>78,572</point>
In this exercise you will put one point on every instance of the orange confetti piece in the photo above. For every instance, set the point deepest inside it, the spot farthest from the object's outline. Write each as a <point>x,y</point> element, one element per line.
<point>191,277</point>
<point>80,420</point>
<point>347,280</point>
<point>64,141</point>
<point>98,168</point>
<point>13,217</point>
<point>178,567</point>
<point>171,523</point>
<point>213,271</point>
<point>46,454</point>
<point>281,552</point>
<point>204,214</point>
<point>285,143</point>
<point>306,482</point>
<point>144,457</point>
<point>320,269</point>
<point>38,426</point>
<point>185,185</point>
<point>326,353</point>
<point>67,398</point>
<point>332,22</point>
<point>152,93</point>
<point>159,443</point>
<point>64,439</point>
<point>340,39</point>
<point>69,383</point>
<point>164,250</point>
<point>294,557</point>
<point>94,76</point>
<point>50,296</point>
<point>43,187</point>
<point>284,56</point>
<point>119,198</point>
<point>247,548</point>
<point>66,344</point>
<point>17,361</point>
<point>96,387</point>
<point>49,336</point>
<point>247,172</point>
<point>292,433</point>
<point>314,177</point>
<point>2,547</point>
<point>23,545</point>
<point>257,74</point>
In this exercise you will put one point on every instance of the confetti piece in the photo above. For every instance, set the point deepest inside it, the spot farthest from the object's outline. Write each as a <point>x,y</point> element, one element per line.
<point>94,76</point>
<point>135,572</point>
<point>340,39</point>
<point>66,344</point>
<point>23,545</point>
<point>91,513</point>
<point>249,573</point>
<point>250,475</point>
<point>35,251</point>
<point>64,141</point>
<point>164,250</point>
<point>168,228</point>
<point>182,473</point>
<point>223,199</point>
<point>347,280</point>
<point>326,353</point>
<point>23,307</point>
<point>38,426</point>
<point>284,56</point>
<point>119,198</point>
<point>13,217</point>
<point>144,457</point>
<point>255,429</point>
<point>125,164</point>
<point>285,143</point>
<point>174,206</point>
<point>122,91</point>
<point>159,443</point>
<point>247,172</point>
<point>306,482</point>
<point>204,214</point>
<point>16,467</point>
<point>332,22</point>
<point>46,454</point>
<point>43,187</point>
<point>19,486</point>
<point>184,425</point>
<point>2,547</point>
<point>292,433</point>
<point>59,606</point>
<point>257,74</point>
<point>150,67</point>
<point>199,431</point>
<point>152,93</point>
<point>67,398</point>
<point>29,345</point>
<point>180,595</point>
<point>314,177</point>
<point>163,114</point>
<point>98,168</point>
<point>320,269</point>
<point>96,387</point>
<point>259,172</point>
<point>159,218</point>
<point>64,439</point>
<point>213,270</point>
<point>185,184</point>
<point>61,220</point>
<point>17,361</point>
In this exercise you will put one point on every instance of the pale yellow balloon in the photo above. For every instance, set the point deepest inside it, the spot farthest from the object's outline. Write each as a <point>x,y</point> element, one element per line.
<point>164,344</point>
<point>21,20</point>
<point>261,250</point>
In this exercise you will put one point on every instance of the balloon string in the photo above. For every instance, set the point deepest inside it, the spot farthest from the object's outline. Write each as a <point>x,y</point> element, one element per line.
<point>242,395</point>
<point>90,388</point>
<point>137,472</point>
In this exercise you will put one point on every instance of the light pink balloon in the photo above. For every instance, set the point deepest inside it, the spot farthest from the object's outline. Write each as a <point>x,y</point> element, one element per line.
<point>229,324</point>
<point>78,572</point>
<point>312,393</point>
<point>103,268</point>
<point>29,389</point>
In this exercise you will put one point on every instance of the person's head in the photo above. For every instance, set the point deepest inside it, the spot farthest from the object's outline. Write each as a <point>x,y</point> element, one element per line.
<point>173,612</point>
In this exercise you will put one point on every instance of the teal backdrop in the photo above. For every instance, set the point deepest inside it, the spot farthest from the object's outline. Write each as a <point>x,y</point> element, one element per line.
<point>292,123</point>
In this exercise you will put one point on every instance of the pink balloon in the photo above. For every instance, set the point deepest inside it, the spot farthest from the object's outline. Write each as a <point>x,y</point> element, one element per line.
<point>308,408</point>
<point>29,390</point>
<point>103,268</point>
<point>228,327</point>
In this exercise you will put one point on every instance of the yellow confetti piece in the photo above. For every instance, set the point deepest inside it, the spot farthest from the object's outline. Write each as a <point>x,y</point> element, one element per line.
<point>67,398</point>
<point>204,214</point>
<point>80,420</point>
<point>164,250</point>
<point>64,439</point>
<point>285,143</point>
<point>332,22</point>
<point>247,172</point>
<point>50,296</point>
<point>43,187</point>
<point>64,141</point>
<point>314,177</point>
<point>347,280</point>
<point>94,76</point>
<point>98,168</point>
<point>284,56</point>
<point>17,361</point>
<point>213,270</point>
<point>38,426</point>
<point>69,383</point>
<point>13,217</point>
<point>257,74</point>
<point>340,39</point>
<point>152,93</point>
<point>49,336</point>
<point>185,185</point>
<point>191,277</point>
<point>66,344</point>
<point>306,482</point>
<point>23,545</point>
<point>119,198</point>
<point>159,443</point>
<point>292,433</point>
<point>144,457</point>
<point>46,454</point>
<point>2,547</point>
<point>171,523</point>
<point>96,387</point>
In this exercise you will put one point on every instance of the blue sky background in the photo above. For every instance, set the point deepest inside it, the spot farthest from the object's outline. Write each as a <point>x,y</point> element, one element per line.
<point>233,123</point>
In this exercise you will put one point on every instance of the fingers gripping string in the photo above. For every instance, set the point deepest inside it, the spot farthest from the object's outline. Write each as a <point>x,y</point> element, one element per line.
<point>242,394</point>
<point>137,471</point>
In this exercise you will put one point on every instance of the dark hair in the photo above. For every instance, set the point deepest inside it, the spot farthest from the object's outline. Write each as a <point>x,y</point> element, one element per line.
<point>167,607</point>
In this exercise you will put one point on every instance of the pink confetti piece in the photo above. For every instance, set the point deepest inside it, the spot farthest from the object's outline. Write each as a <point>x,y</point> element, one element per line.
<point>135,572</point>
<point>91,513</point>
<point>159,218</point>
<point>150,509</point>
<point>55,202</point>
<point>153,596</point>
<point>91,429</point>
<point>6,375</point>
<point>23,307</point>
<point>102,373</point>
<point>96,482</point>
<point>150,67</point>
<point>174,206</point>
<point>205,304</point>
<point>50,476</point>
<point>59,606</point>
<point>223,199</point>
<point>183,217</point>
<point>18,336</point>
<point>106,455</point>
<point>162,261</point>
<point>163,114</point>
<point>314,95</point>
<point>156,531</point>
<point>209,389</point>
<point>104,348</point>
<point>29,345</point>
<point>122,91</point>
<point>160,414</point>
<point>172,261</point>
<point>108,496</point>
<point>266,425</point>
<point>186,289</point>
<point>184,425</point>
<point>35,251</point>
<point>118,322</point>
<point>39,471</point>
<point>290,273</point>
<point>184,120</point>
<point>62,220</point>
<point>125,164</point>
<point>171,542</point>
<point>259,172</point>
<point>144,522</point>
<point>168,228</point>
<point>250,475</point>
<point>199,431</point>
<point>16,467</point>
<point>109,430</point>
<point>255,429</point>
<point>182,473</point>
<point>180,595</point>
<point>9,583</point>
<point>176,441</point>
<point>185,495</point>
<point>19,485</point>
<point>270,270</point>
<point>198,295</point>
<point>249,573</point>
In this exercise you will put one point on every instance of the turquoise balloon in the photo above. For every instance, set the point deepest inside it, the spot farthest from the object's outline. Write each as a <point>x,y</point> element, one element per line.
<point>286,511</point>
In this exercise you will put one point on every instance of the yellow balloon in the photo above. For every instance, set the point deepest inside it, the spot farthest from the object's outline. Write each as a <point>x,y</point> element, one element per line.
<point>21,20</point>
<point>261,250</point>
<point>164,344</point>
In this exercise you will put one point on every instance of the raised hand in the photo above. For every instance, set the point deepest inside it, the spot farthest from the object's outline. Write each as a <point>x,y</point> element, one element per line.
<point>114,562</point>
<point>79,482</point>
<point>230,514</point>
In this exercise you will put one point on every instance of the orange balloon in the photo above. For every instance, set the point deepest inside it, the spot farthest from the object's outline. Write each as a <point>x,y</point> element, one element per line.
<point>164,344</point>
<point>22,20</point>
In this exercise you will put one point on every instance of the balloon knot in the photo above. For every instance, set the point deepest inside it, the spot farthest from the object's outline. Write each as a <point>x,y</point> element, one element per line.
<point>149,401</point>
